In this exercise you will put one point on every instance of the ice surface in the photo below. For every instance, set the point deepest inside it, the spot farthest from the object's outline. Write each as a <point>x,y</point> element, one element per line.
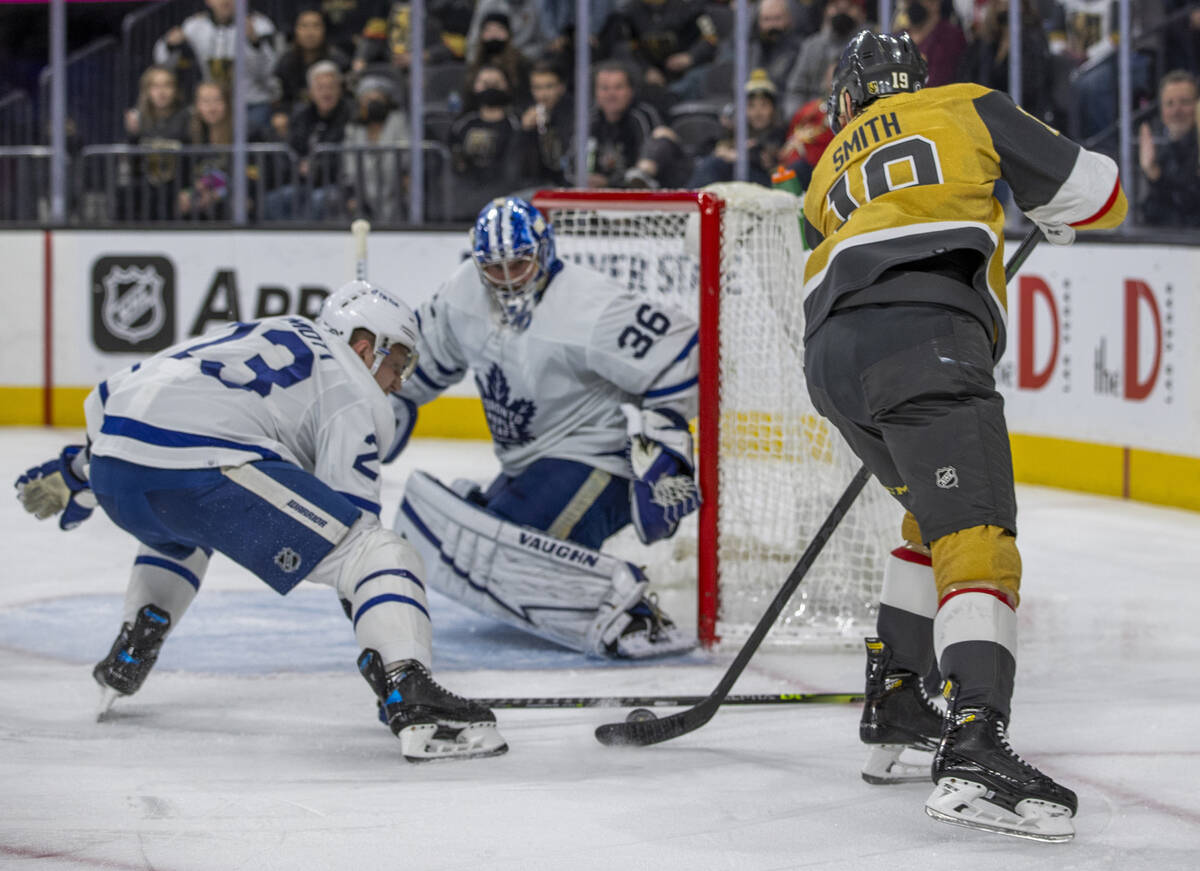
<point>254,744</point>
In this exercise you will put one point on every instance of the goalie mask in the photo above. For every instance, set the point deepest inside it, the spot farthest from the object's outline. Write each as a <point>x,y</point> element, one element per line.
<point>513,249</point>
<point>873,65</point>
<point>361,305</point>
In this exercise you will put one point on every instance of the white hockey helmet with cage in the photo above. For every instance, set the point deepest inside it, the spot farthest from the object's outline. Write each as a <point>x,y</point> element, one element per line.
<point>361,305</point>
<point>512,245</point>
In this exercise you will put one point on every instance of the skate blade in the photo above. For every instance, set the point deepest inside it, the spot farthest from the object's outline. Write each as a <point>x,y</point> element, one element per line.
<point>104,709</point>
<point>420,743</point>
<point>964,803</point>
<point>884,766</point>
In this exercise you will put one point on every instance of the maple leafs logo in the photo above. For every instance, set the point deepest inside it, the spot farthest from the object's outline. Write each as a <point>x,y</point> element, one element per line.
<point>508,420</point>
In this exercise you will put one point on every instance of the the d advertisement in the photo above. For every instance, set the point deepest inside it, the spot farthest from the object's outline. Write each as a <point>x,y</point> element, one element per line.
<point>1094,352</point>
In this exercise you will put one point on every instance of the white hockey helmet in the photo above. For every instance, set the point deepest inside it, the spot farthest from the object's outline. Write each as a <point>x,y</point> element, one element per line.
<point>362,305</point>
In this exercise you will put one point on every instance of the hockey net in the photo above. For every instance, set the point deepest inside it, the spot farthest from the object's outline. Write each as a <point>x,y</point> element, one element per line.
<point>731,256</point>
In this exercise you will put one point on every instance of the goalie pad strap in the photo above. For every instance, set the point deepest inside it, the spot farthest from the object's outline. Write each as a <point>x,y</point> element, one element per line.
<point>555,589</point>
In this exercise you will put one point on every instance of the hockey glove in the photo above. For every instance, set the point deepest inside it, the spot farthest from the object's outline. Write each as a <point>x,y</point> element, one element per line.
<point>57,486</point>
<point>1057,234</point>
<point>663,491</point>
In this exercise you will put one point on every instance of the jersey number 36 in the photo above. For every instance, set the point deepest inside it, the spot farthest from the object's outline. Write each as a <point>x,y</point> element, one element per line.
<point>651,325</point>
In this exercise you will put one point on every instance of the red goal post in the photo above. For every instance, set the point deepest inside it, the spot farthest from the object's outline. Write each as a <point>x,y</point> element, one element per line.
<point>731,256</point>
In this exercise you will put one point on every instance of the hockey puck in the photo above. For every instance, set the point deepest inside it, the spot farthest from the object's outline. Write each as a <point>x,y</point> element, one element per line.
<point>640,715</point>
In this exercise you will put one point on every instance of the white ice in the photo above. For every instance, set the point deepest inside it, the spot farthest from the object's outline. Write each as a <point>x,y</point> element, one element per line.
<point>254,744</point>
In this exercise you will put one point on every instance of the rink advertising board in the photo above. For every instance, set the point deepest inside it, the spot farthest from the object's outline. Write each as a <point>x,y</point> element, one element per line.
<point>1099,376</point>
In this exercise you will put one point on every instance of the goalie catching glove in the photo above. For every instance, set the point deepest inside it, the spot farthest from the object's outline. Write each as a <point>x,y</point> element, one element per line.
<point>663,491</point>
<point>58,485</point>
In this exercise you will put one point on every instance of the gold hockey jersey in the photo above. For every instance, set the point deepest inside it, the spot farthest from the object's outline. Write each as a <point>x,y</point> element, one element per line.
<point>911,179</point>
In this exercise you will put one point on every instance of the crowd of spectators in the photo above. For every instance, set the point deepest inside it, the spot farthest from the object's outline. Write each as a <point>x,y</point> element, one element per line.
<point>500,94</point>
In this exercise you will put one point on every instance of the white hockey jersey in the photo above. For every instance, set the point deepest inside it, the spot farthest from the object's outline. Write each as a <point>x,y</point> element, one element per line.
<point>272,389</point>
<point>214,46</point>
<point>556,388</point>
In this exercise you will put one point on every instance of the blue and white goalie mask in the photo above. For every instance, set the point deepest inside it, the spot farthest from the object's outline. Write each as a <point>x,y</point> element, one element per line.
<point>362,305</point>
<point>513,248</point>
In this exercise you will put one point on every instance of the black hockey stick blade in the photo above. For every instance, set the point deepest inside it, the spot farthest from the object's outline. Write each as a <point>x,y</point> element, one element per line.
<point>670,701</point>
<point>656,731</point>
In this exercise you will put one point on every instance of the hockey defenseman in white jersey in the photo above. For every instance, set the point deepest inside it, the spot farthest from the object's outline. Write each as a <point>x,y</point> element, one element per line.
<point>587,389</point>
<point>261,440</point>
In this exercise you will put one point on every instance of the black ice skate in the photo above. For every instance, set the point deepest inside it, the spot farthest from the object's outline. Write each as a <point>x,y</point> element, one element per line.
<point>897,716</point>
<point>133,654</point>
<point>983,784</point>
<point>431,722</point>
<point>649,632</point>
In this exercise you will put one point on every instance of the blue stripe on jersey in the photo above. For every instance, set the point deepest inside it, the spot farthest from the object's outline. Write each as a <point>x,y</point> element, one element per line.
<point>402,438</point>
<point>403,573</point>
<point>103,388</point>
<point>359,502</point>
<point>169,438</point>
<point>161,563</point>
<point>385,598</point>
<point>687,349</point>
<point>674,388</point>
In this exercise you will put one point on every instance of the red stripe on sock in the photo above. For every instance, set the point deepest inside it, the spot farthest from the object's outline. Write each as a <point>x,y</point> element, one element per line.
<point>1112,198</point>
<point>912,556</point>
<point>999,594</point>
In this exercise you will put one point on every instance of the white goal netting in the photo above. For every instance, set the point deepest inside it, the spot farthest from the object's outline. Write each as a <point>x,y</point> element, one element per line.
<point>781,466</point>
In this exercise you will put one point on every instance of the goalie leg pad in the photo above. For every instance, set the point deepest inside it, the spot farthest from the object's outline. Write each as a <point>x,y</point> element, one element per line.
<point>558,590</point>
<point>381,577</point>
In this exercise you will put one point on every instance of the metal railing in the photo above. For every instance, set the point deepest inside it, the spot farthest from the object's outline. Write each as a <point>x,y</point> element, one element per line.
<point>129,184</point>
<point>190,183</point>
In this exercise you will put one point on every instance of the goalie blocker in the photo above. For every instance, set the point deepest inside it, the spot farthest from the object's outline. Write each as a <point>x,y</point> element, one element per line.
<point>558,590</point>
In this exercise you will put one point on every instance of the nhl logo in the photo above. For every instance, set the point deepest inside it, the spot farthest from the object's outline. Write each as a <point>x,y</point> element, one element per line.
<point>947,477</point>
<point>133,306</point>
<point>288,560</point>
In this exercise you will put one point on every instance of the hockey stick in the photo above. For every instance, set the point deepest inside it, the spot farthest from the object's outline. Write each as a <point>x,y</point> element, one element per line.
<point>359,230</point>
<point>653,731</point>
<point>671,701</point>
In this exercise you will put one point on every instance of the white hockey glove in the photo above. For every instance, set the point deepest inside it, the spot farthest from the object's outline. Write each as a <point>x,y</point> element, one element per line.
<point>663,491</point>
<point>1057,234</point>
<point>58,485</point>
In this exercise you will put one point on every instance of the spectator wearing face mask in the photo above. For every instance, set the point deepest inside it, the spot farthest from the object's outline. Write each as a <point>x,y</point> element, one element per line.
<point>774,46</point>
<point>524,21</point>
<point>372,177</point>
<point>495,48</point>
<point>939,39</point>
<point>806,81</point>
<point>485,144</point>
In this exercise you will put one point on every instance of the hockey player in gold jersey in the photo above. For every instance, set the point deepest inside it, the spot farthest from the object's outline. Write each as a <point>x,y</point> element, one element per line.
<point>905,318</point>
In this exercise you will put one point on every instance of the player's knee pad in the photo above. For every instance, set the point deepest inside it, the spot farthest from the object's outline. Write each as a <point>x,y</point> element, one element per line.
<point>982,557</point>
<point>167,582</point>
<point>556,589</point>
<point>379,575</point>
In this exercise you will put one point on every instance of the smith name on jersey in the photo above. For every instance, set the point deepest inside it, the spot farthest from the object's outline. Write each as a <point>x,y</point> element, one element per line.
<point>555,389</point>
<point>275,389</point>
<point>911,179</point>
